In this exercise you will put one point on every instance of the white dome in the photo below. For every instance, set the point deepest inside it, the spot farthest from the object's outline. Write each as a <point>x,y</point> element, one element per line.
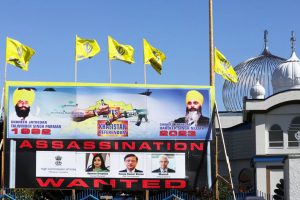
<point>257,91</point>
<point>259,68</point>
<point>287,75</point>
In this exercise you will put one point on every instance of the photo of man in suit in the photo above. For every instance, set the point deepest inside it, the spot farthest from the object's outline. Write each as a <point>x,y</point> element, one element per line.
<point>131,161</point>
<point>163,163</point>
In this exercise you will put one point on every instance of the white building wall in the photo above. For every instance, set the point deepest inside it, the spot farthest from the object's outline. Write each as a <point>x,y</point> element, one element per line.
<point>229,119</point>
<point>260,135</point>
<point>261,178</point>
<point>282,116</point>
<point>292,177</point>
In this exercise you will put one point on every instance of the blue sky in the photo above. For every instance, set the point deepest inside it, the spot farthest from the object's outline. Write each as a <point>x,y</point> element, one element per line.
<point>178,28</point>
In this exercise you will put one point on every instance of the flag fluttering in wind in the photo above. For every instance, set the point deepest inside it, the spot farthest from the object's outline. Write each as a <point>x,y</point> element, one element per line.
<point>121,52</point>
<point>18,54</point>
<point>86,48</point>
<point>224,68</point>
<point>153,56</point>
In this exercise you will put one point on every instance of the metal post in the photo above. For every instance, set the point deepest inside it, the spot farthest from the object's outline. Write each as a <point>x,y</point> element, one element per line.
<point>217,169</point>
<point>211,45</point>
<point>73,194</point>
<point>211,64</point>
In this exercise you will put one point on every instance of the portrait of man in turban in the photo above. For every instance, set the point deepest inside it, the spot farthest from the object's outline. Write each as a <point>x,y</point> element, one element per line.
<point>194,101</point>
<point>23,98</point>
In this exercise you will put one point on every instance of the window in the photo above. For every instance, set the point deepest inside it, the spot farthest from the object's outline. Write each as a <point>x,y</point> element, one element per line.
<point>294,133</point>
<point>275,136</point>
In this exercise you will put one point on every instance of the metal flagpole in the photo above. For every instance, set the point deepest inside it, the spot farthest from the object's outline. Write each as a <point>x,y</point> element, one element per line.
<point>145,74</point>
<point>3,136</point>
<point>5,71</point>
<point>225,151</point>
<point>109,64</point>
<point>2,104</point>
<point>75,71</point>
<point>212,84</point>
<point>2,98</point>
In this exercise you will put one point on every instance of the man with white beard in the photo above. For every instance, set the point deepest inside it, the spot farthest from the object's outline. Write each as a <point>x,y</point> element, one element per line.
<point>194,101</point>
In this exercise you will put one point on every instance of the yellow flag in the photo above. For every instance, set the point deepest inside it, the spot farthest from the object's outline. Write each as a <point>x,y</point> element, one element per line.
<point>153,56</point>
<point>18,54</point>
<point>86,48</point>
<point>224,68</point>
<point>118,51</point>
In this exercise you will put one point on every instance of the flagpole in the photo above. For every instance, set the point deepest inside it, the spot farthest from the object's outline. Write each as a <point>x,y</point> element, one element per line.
<point>211,84</point>
<point>75,71</point>
<point>109,64</point>
<point>145,74</point>
<point>211,45</point>
<point>5,71</point>
<point>75,67</point>
<point>3,136</point>
<point>2,101</point>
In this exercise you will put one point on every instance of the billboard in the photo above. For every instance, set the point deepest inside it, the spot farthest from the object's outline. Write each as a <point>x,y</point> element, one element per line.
<point>80,135</point>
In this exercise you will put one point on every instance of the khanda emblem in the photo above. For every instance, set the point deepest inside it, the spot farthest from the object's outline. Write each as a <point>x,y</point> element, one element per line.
<point>17,60</point>
<point>156,56</point>
<point>225,64</point>
<point>19,51</point>
<point>87,48</point>
<point>121,50</point>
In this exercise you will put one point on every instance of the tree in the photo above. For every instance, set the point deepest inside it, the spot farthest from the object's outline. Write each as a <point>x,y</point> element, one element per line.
<point>279,190</point>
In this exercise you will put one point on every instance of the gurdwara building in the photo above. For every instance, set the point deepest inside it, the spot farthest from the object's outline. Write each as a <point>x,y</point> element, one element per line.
<point>262,123</point>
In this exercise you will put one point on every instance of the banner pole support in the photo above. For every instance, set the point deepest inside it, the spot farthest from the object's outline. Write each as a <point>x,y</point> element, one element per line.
<point>225,151</point>
<point>73,194</point>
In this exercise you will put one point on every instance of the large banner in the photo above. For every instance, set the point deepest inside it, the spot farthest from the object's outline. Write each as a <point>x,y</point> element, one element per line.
<point>67,135</point>
<point>123,112</point>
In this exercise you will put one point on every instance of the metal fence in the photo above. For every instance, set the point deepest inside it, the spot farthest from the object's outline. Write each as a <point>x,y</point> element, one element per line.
<point>260,195</point>
<point>11,194</point>
<point>173,195</point>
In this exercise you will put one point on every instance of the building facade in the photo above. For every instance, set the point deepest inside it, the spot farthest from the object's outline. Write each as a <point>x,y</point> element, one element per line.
<point>262,128</point>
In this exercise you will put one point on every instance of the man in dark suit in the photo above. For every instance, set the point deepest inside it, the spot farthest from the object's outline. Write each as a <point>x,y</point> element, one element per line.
<point>131,161</point>
<point>194,117</point>
<point>163,163</point>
